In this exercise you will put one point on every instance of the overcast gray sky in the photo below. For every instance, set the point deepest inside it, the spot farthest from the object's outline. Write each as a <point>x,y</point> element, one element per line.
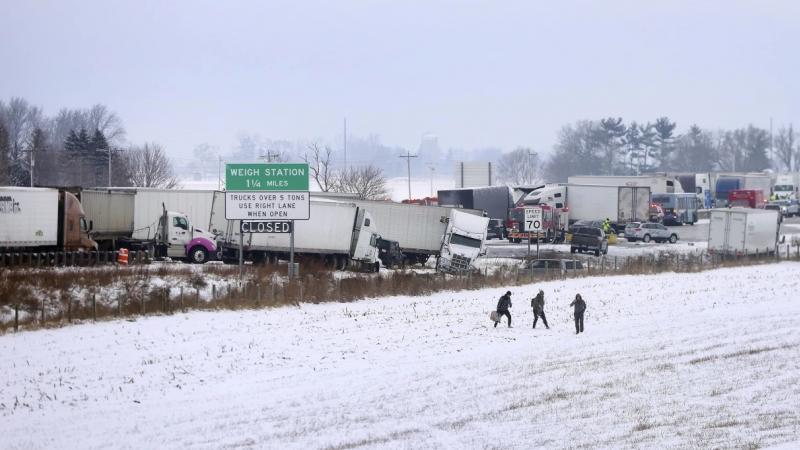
<point>474,73</point>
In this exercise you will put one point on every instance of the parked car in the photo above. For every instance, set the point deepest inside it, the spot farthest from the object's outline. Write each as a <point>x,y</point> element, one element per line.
<point>587,223</point>
<point>389,253</point>
<point>590,239</point>
<point>495,230</point>
<point>787,208</point>
<point>553,266</point>
<point>646,232</point>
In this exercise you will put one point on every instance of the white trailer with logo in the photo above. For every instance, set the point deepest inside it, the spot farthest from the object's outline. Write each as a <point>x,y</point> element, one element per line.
<point>743,231</point>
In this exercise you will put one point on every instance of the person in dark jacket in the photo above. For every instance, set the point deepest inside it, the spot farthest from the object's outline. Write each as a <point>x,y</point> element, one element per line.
<point>537,303</point>
<point>502,308</point>
<point>580,307</point>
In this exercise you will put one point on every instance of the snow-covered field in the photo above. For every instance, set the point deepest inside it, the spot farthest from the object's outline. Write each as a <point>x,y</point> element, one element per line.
<point>699,360</point>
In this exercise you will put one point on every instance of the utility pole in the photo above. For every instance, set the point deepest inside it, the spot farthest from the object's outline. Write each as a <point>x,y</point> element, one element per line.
<point>345,144</point>
<point>771,148</point>
<point>408,157</point>
<point>109,166</point>
<point>33,161</point>
<point>432,168</point>
<point>270,155</point>
<point>219,174</point>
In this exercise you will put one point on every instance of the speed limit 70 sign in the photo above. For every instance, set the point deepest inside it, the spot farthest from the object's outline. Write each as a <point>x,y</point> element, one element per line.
<point>533,219</point>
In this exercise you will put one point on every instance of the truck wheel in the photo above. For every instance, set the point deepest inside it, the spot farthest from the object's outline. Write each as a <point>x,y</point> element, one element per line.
<point>646,238</point>
<point>673,239</point>
<point>597,252</point>
<point>572,249</point>
<point>198,255</point>
<point>376,267</point>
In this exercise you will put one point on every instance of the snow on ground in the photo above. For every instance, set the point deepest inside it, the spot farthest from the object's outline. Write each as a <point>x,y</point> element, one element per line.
<point>699,360</point>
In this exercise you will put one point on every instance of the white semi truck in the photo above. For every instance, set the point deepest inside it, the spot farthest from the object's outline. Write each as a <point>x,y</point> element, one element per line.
<point>418,229</point>
<point>170,223</point>
<point>340,233</point>
<point>462,242</point>
<point>743,231</point>
<point>786,186</point>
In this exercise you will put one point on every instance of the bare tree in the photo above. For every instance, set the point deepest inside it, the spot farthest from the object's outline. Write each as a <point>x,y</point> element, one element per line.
<point>150,167</point>
<point>786,148</point>
<point>518,167</point>
<point>367,182</point>
<point>98,117</point>
<point>319,162</point>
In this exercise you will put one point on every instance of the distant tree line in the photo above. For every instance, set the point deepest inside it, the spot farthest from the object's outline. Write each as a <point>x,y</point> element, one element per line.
<point>611,147</point>
<point>74,148</point>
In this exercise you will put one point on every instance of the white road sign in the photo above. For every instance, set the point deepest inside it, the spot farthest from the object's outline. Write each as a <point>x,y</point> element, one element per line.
<point>533,219</point>
<point>267,205</point>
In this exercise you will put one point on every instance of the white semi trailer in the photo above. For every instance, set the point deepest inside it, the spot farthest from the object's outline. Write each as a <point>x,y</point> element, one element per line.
<point>418,229</point>
<point>135,218</point>
<point>658,183</point>
<point>620,204</point>
<point>743,231</point>
<point>339,233</point>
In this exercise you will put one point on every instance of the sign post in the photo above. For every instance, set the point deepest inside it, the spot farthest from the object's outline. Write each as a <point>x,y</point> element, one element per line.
<point>533,222</point>
<point>271,192</point>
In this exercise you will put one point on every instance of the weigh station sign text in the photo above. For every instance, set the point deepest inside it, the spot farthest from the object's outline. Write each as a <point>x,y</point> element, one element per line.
<point>267,192</point>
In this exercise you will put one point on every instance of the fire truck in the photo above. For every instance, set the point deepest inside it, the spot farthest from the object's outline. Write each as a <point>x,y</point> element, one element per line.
<point>553,229</point>
<point>749,198</point>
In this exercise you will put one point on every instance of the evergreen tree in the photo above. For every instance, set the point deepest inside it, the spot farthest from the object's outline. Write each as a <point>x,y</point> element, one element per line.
<point>72,144</point>
<point>647,141</point>
<point>755,150</point>
<point>36,148</point>
<point>664,142</point>
<point>694,152</point>
<point>632,149</point>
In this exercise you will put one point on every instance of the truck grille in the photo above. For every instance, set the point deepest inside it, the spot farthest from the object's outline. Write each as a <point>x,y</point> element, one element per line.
<point>457,264</point>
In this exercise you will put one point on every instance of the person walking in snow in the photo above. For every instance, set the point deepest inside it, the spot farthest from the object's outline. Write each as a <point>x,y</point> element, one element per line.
<point>502,308</point>
<point>537,303</point>
<point>580,307</point>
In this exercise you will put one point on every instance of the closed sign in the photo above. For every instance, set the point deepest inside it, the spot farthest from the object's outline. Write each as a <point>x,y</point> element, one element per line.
<point>265,227</point>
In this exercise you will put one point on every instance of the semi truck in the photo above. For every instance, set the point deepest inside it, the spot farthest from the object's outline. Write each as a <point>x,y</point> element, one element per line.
<point>42,220</point>
<point>620,204</point>
<point>338,232</point>
<point>462,242</point>
<point>786,186</point>
<point>418,229</point>
<point>170,223</point>
<point>658,183</point>
<point>743,231</point>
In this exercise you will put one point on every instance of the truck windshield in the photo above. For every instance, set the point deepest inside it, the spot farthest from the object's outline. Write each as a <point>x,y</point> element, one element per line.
<point>84,226</point>
<point>458,239</point>
<point>784,188</point>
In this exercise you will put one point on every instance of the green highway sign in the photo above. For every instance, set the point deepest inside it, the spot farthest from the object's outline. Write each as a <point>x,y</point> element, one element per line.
<point>266,177</point>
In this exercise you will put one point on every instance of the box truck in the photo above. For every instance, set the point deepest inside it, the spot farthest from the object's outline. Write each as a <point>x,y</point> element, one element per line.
<point>338,232</point>
<point>742,231</point>
<point>42,220</point>
<point>462,242</point>
<point>725,183</point>
<point>169,223</point>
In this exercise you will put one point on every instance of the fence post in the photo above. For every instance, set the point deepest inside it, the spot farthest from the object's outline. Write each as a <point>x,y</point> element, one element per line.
<point>16,317</point>
<point>165,301</point>
<point>119,306</point>
<point>182,308</point>
<point>42,312</point>
<point>213,294</point>
<point>94,307</point>
<point>197,297</point>
<point>69,309</point>
<point>258,294</point>
<point>144,311</point>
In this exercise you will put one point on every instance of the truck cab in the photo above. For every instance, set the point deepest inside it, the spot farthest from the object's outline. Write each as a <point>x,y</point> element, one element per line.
<point>462,242</point>
<point>76,231</point>
<point>365,243</point>
<point>178,238</point>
